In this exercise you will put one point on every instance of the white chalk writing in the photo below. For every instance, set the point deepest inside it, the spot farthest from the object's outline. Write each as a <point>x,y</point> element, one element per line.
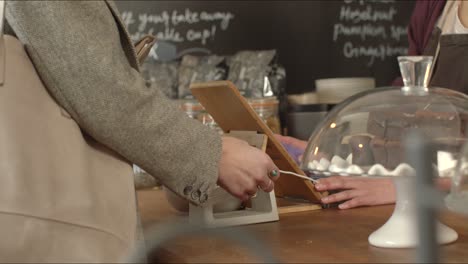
<point>398,32</point>
<point>358,14</point>
<point>177,26</point>
<point>362,2</point>
<point>369,31</point>
<point>381,51</point>
<point>363,31</point>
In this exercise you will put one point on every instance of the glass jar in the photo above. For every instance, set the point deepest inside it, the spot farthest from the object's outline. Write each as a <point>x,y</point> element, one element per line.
<point>196,111</point>
<point>192,108</point>
<point>267,110</point>
<point>208,121</point>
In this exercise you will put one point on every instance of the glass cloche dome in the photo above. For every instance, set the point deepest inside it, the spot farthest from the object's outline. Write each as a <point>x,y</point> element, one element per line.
<point>365,134</point>
<point>457,200</point>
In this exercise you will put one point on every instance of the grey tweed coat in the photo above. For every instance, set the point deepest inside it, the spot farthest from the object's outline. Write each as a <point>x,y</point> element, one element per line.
<point>84,56</point>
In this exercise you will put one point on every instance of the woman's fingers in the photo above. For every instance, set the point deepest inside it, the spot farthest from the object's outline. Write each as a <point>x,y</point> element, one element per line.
<point>353,203</point>
<point>340,196</point>
<point>244,169</point>
<point>297,143</point>
<point>356,191</point>
<point>337,183</point>
<point>267,187</point>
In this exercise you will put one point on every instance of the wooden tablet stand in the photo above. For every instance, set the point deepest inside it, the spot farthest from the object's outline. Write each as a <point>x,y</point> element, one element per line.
<point>232,112</point>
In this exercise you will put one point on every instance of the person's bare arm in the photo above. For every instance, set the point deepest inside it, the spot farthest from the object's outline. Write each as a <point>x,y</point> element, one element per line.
<point>357,191</point>
<point>463,13</point>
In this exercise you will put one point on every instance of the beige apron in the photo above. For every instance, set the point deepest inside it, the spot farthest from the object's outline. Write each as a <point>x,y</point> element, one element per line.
<point>63,196</point>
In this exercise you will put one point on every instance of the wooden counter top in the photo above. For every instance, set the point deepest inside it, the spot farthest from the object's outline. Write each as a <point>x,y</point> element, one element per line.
<point>329,235</point>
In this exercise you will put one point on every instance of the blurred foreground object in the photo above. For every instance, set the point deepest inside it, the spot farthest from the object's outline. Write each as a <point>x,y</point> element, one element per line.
<point>159,235</point>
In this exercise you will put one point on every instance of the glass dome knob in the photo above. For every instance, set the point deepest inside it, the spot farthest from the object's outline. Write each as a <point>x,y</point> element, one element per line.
<point>415,71</point>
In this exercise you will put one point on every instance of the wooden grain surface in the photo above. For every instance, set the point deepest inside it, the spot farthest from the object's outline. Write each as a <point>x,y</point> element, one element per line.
<point>322,236</point>
<point>232,112</point>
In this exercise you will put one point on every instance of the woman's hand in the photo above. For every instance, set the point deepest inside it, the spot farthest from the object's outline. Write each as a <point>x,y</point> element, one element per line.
<point>294,146</point>
<point>357,191</point>
<point>244,169</point>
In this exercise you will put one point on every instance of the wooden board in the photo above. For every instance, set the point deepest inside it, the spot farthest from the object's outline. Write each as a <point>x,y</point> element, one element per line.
<point>297,208</point>
<point>231,111</point>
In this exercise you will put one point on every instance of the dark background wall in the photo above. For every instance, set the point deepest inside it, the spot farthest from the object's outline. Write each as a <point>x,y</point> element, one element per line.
<point>314,39</point>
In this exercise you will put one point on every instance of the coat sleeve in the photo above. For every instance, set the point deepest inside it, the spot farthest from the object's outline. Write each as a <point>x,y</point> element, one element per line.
<point>79,53</point>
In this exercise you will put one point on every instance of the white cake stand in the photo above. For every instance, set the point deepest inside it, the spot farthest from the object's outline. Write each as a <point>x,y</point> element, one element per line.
<point>400,231</point>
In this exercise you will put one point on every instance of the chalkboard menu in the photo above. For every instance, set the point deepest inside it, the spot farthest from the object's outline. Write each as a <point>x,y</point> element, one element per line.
<point>314,39</point>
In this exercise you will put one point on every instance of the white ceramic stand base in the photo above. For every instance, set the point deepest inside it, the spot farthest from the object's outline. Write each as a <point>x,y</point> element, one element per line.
<point>400,231</point>
<point>263,209</point>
